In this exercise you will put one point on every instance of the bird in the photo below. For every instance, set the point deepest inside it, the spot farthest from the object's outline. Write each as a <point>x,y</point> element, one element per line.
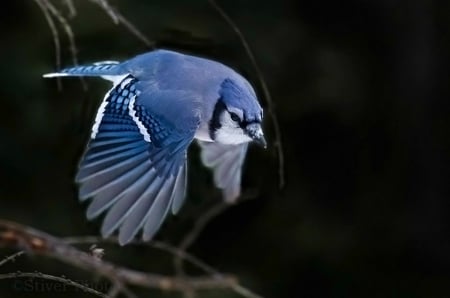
<point>134,167</point>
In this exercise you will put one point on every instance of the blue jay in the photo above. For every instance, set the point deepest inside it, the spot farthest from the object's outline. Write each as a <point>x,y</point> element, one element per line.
<point>134,166</point>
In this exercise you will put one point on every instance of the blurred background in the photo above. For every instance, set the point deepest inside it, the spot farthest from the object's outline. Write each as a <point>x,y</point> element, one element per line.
<point>362,95</point>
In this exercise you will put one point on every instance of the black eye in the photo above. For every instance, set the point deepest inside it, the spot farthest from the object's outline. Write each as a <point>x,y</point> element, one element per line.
<point>234,117</point>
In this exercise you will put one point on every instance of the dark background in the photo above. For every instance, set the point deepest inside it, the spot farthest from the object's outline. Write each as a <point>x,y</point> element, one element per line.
<point>361,92</point>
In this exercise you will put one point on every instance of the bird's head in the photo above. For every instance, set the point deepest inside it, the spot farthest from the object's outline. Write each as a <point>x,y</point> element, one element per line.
<point>237,115</point>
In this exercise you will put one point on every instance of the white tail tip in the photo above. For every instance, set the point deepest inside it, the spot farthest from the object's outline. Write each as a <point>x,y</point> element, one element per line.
<point>55,75</point>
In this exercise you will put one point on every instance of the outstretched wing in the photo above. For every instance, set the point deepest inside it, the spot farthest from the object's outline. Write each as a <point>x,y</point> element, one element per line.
<point>226,162</point>
<point>134,167</point>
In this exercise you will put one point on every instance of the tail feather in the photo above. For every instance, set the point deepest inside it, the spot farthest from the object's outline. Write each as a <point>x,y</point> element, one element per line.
<point>105,68</point>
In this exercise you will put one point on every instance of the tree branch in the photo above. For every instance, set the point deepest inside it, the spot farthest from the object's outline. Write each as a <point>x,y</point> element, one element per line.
<point>55,35</point>
<point>39,243</point>
<point>11,258</point>
<point>71,8</point>
<point>176,252</point>
<point>193,234</point>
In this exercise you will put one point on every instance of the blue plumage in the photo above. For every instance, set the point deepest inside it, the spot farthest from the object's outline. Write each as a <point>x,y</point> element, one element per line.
<point>134,167</point>
<point>96,69</point>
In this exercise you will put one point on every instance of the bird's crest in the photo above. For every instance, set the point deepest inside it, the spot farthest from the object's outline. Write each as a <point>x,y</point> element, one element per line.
<point>242,97</point>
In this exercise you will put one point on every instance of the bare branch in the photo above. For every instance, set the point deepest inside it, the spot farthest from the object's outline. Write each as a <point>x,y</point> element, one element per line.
<point>11,258</point>
<point>55,34</point>
<point>68,30</point>
<point>135,31</point>
<point>118,18</point>
<point>237,288</point>
<point>175,251</point>
<point>66,27</point>
<point>71,8</point>
<point>190,238</point>
<point>40,243</point>
<point>110,11</point>
<point>265,89</point>
<point>117,288</point>
<point>62,280</point>
<point>201,223</point>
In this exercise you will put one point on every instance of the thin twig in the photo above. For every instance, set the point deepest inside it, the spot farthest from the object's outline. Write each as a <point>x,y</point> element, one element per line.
<point>118,287</point>
<point>71,8</point>
<point>59,279</point>
<point>265,89</point>
<point>55,35</point>
<point>110,11</point>
<point>201,223</point>
<point>134,30</point>
<point>66,27</point>
<point>11,258</point>
<point>175,251</point>
<point>193,234</point>
<point>69,33</point>
<point>118,18</point>
<point>115,290</point>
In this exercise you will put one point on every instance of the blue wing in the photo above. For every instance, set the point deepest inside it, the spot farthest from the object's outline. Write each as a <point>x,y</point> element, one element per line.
<point>226,162</point>
<point>134,167</point>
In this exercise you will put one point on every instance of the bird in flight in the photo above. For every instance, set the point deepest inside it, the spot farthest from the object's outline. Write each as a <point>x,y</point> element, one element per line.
<point>134,167</point>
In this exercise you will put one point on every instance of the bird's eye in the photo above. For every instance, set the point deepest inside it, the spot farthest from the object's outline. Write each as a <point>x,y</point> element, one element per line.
<point>234,117</point>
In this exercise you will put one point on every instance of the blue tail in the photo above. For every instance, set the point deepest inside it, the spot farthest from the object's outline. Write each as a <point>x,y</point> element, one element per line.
<point>106,68</point>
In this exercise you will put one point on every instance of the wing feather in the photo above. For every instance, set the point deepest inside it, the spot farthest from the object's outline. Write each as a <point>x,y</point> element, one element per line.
<point>134,167</point>
<point>226,162</point>
<point>180,189</point>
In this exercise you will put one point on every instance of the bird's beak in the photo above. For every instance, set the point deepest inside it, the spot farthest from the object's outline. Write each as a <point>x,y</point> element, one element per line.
<point>261,141</point>
<point>255,132</point>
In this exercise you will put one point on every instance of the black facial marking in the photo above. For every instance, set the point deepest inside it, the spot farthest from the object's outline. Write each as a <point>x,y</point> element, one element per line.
<point>214,123</point>
<point>243,124</point>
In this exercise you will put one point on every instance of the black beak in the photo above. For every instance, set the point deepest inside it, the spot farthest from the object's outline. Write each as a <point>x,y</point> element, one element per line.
<point>255,132</point>
<point>261,141</point>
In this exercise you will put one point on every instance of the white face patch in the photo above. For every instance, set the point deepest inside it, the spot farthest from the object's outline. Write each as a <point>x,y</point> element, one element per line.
<point>230,132</point>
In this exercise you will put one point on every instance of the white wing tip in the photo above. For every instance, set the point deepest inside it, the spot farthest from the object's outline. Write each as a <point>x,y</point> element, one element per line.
<point>55,75</point>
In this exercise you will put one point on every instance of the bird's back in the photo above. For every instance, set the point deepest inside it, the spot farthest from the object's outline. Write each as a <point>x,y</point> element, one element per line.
<point>168,70</point>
